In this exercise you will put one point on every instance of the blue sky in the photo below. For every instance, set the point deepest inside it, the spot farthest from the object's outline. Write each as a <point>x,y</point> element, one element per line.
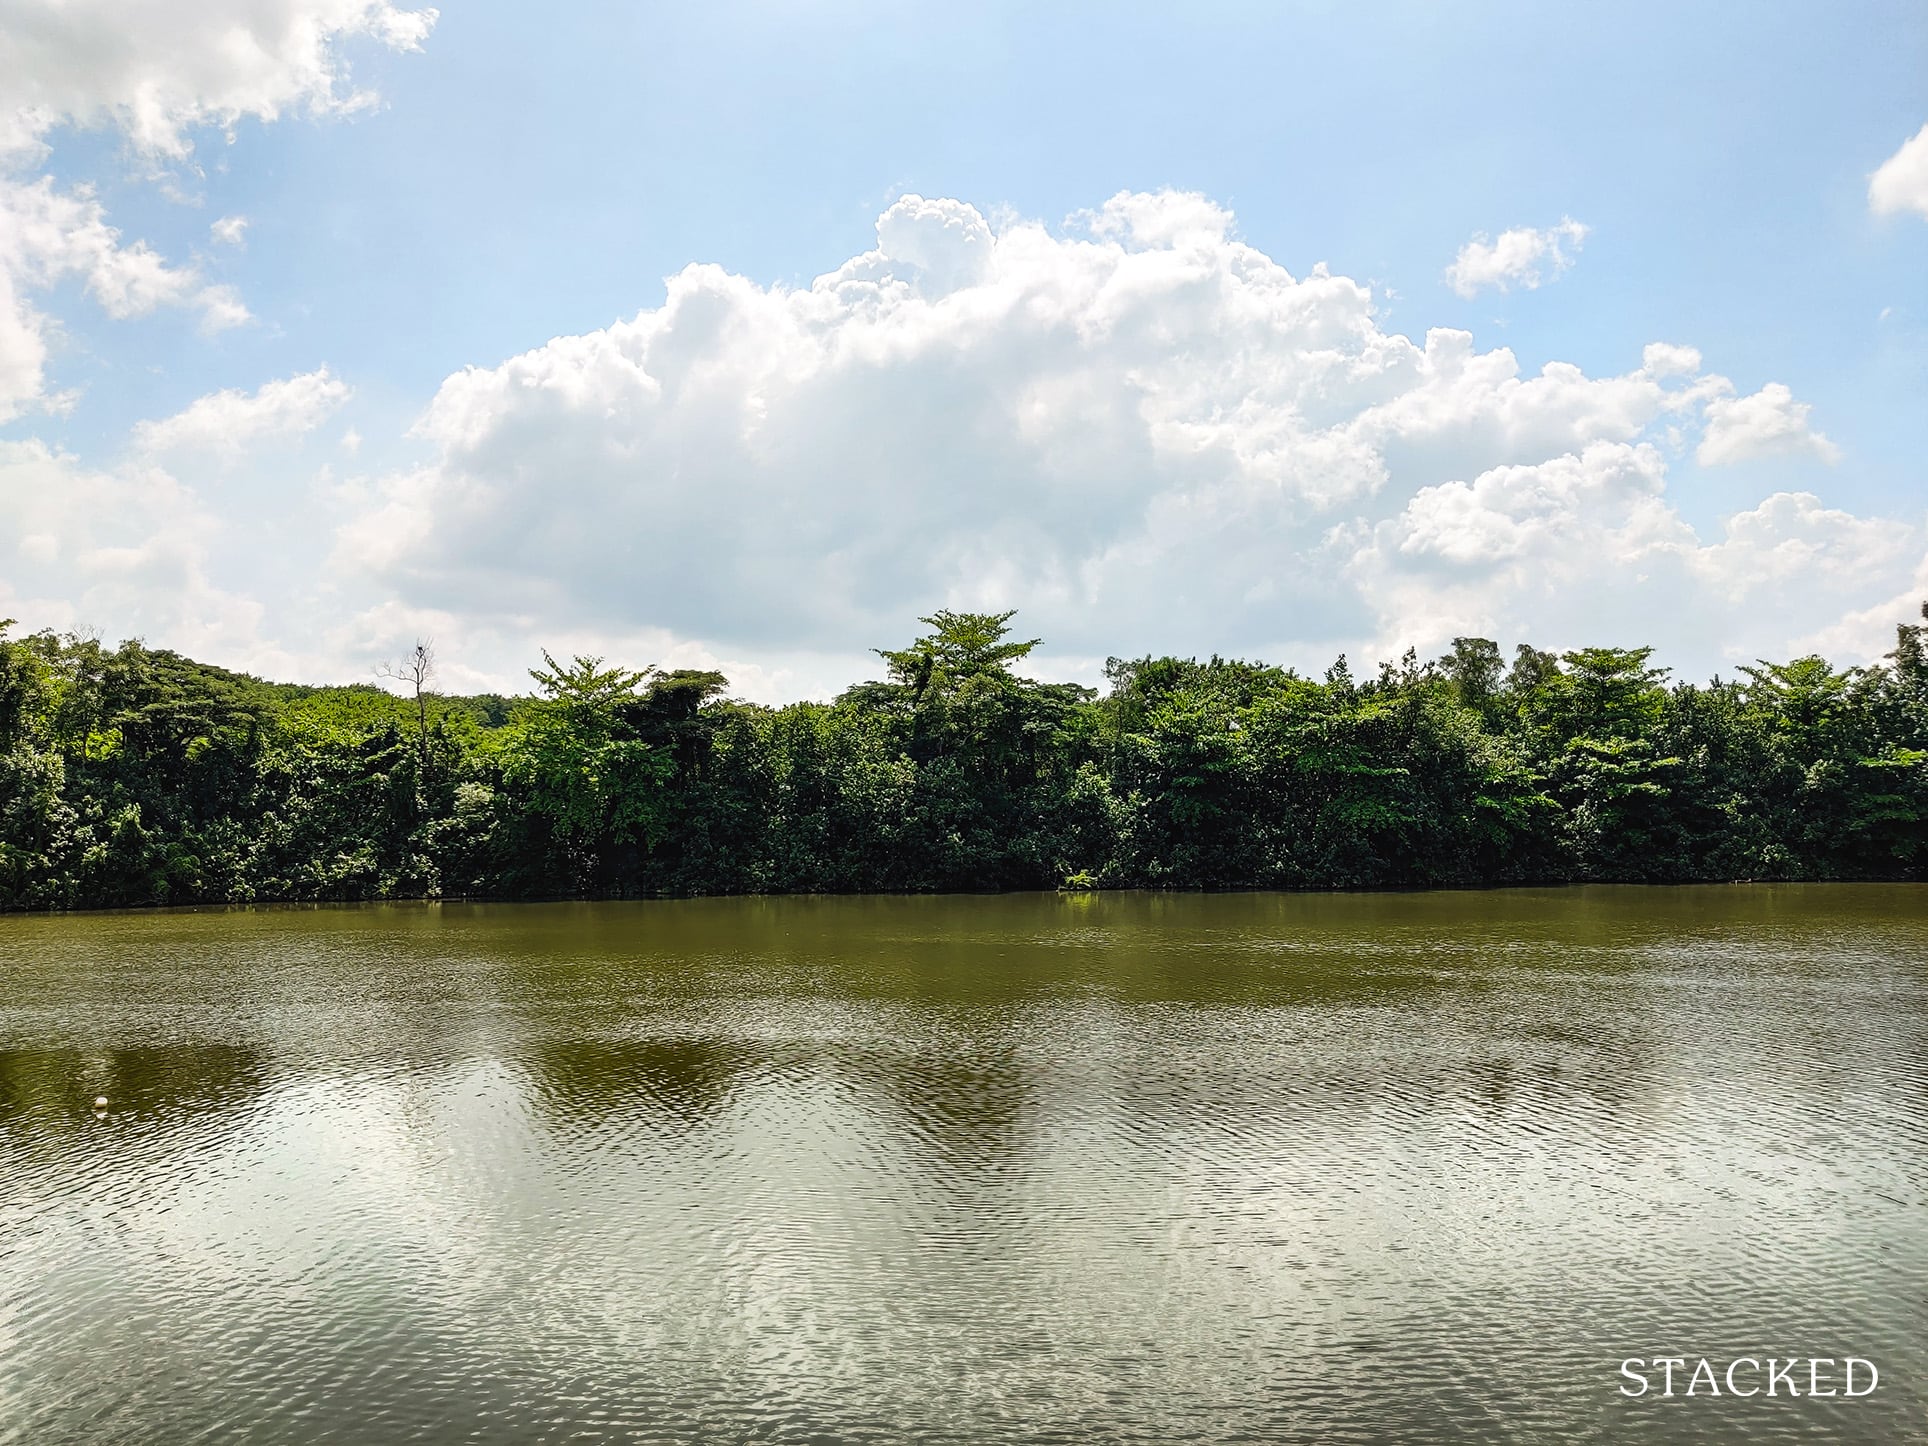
<point>533,174</point>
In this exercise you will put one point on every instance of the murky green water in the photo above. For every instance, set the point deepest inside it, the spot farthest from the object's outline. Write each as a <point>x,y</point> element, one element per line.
<point>1137,1168</point>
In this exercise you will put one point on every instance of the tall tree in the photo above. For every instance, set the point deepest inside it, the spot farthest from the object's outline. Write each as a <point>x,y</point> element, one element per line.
<point>415,672</point>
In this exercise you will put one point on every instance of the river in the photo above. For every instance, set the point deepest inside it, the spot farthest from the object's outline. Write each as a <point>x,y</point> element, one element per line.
<point>1024,1168</point>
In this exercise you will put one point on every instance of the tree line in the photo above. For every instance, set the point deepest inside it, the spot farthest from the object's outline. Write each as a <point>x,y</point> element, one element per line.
<point>136,776</point>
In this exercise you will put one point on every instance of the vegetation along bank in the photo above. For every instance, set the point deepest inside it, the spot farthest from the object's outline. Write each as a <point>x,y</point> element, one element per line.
<point>136,776</point>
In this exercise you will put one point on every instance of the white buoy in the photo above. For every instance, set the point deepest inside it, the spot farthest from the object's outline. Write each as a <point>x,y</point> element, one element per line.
<point>100,1102</point>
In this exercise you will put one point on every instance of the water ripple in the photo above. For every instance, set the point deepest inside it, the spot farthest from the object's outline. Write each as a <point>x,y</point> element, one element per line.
<point>1137,1169</point>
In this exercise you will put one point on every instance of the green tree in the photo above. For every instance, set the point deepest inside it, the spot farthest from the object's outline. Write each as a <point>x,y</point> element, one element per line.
<point>591,789</point>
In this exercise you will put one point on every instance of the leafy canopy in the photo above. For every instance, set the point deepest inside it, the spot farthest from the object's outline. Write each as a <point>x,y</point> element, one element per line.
<point>963,646</point>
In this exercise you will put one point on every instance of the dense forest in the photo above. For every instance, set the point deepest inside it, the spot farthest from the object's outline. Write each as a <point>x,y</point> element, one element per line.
<point>137,776</point>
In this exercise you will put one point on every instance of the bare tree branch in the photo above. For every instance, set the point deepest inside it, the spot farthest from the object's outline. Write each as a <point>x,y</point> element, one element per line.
<point>416,672</point>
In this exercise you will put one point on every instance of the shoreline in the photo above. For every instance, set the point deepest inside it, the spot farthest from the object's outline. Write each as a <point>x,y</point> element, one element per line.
<point>1557,887</point>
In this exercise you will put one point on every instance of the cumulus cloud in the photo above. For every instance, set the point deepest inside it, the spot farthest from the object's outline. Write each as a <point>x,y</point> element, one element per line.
<point>1522,257</point>
<point>1769,422</point>
<point>1793,540</point>
<point>154,72</point>
<point>1870,631</point>
<point>1901,184</point>
<point>229,231</point>
<point>48,236</point>
<point>1527,512</point>
<point>229,421</point>
<point>1663,359</point>
<point>131,545</point>
<point>1553,549</point>
<point>157,71</point>
<point>1137,428</point>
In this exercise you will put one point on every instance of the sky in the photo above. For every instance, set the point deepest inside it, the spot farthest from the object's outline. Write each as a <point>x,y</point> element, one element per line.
<point>746,334</point>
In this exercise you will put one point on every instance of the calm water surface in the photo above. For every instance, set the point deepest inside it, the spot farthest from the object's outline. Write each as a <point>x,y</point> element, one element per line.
<point>1019,1169</point>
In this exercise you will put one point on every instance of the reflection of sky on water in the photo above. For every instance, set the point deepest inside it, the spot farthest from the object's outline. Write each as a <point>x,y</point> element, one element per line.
<point>706,1176</point>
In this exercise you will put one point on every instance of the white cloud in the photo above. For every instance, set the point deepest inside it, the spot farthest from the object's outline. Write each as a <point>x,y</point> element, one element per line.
<point>1140,430</point>
<point>229,231</point>
<point>155,72</point>
<point>1792,540</point>
<point>1901,184</point>
<point>1554,549</point>
<point>230,421</point>
<point>1767,423</point>
<point>1870,631</point>
<point>1522,257</point>
<point>221,308</point>
<point>1528,512</point>
<point>131,546</point>
<point>1662,359</point>
<point>47,236</point>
